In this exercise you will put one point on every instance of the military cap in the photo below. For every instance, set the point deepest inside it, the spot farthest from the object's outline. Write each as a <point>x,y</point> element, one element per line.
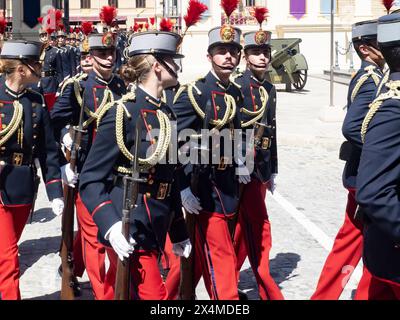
<point>21,49</point>
<point>389,30</point>
<point>102,41</point>
<point>61,33</point>
<point>365,30</point>
<point>224,35</point>
<point>155,42</point>
<point>259,38</point>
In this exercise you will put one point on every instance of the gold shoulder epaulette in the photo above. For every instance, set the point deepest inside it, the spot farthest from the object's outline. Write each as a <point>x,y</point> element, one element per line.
<point>179,92</point>
<point>393,93</point>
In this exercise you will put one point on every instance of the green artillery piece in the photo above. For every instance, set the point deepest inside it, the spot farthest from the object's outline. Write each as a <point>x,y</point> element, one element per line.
<point>288,65</point>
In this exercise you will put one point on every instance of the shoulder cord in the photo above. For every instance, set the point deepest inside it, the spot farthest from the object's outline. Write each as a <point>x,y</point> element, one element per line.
<point>257,115</point>
<point>370,73</point>
<point>164,138</point>
<point>230,111</point>
<point>15,122</point>
<point>108,98</point>
<point>393,93</point>
<point>383,81</point>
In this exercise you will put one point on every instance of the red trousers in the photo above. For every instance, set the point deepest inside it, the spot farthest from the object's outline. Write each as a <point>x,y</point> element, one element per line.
<point>146,280</point>
<point>343,258</point>
<point>377,289</point>
<point>173,278</point>
<point>12,222</point>
<point>94,254</point>
<point>50,99</point>
<point>253,238</point>
<point>214,259</point>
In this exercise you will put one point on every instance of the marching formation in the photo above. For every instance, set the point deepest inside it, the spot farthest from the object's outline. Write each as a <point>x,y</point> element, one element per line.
<point>168,181</point>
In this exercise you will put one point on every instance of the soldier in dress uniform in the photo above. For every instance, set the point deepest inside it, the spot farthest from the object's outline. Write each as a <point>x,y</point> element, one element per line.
<point>52,67</point>
<point>72,51</point>
<point>212,103</point>
<point>25,135</point>
<point>92,91</point>
<point>379,173</point>
<point>151,67</point>
<point>347,248</point>
<point>64,53</point>
<point>252,236</point>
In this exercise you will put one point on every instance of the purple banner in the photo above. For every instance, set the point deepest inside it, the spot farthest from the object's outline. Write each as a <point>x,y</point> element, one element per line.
<point>297,8</point>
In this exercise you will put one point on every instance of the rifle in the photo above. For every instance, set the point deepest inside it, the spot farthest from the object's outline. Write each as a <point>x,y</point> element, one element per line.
<point>131,190</point>
<point>36,183</point>
<point>66,251</point>
<point>187,288</point>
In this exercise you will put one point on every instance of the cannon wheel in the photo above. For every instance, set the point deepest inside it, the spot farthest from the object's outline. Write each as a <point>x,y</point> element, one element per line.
<point>301,76</point>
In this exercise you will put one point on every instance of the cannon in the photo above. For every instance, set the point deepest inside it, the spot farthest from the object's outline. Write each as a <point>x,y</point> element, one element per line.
<point>287,65</point>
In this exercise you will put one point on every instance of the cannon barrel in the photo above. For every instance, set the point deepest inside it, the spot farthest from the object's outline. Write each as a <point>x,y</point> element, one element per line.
<point>284,54</point>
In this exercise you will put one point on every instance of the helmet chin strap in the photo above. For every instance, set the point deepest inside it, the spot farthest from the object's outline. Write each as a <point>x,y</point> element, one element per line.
<point>226,68</point>
<point>255,65</point>
<point>100,64</point>
<point>32,70</point>
<point>167,67</point>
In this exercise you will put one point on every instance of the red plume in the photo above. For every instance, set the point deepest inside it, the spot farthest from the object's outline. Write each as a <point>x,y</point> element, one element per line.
<point>58,15</point>
<point>194,12</point>
<point>152,21</point>
<point>87,27</point>
<point>146,25</point>
<point>166,25</point>
<point>60,26</point>
<point>388,4</point>
<point>108,14</point>
<point>3,25</point>
<point>136,27</point>
<point>260,13</point>
<point>71,30</point>
<point>229,6</point>
<point>40,20</point>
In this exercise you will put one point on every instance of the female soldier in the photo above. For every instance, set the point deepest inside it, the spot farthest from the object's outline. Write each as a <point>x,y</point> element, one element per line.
<point>152,68</point>
<point>25,134</point>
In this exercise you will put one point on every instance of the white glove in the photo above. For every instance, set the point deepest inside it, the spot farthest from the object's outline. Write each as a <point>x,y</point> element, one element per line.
<point>57,206</point>
<point>67,141</point>
<point>243,173</point>
<point>190,202</point>
<point>182,249</point>
<point>272,182</point>
<point>118,241</point>
<point>68,176</point>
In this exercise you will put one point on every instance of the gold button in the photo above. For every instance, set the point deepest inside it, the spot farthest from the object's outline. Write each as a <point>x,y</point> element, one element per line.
<point>3,148</point>
<point>150,127</point>
<point>2,163</point>
<point>145,114</point>
<point>218,108</point>
<point>3,126</point>
<point>97,99</point>
<point>35,125</point>
<point>148,195</point>
<point>2,115</point>
<point>34,136</point>
<point>1,105</point>
<point>94,89</point>
<point>151,181</point>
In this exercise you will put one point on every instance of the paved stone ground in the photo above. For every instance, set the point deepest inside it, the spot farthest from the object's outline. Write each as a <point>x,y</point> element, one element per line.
<point>309,178</point>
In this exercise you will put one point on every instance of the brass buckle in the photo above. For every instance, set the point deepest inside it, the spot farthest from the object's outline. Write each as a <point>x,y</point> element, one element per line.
<point>223,163</point>
<point>266,143</point>
<point>17,159</point>
<point>162,191</point>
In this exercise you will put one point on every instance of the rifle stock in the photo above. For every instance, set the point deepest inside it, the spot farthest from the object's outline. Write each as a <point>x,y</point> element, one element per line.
<point>67,227</point>
<point>131,190</point>
<point>187,289</point>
